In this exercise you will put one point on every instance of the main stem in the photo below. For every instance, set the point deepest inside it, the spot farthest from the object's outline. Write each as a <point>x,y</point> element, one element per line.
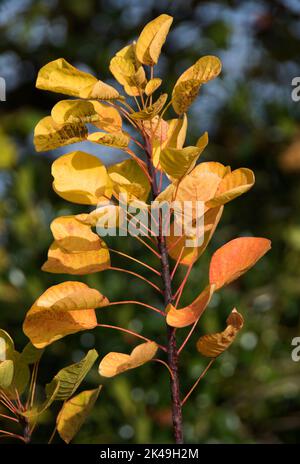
<point>167,293</point>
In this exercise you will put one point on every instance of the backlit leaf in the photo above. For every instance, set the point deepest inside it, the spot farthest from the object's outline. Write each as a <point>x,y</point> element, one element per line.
<point>151,111</point>
<point>152,38</point>
<point>215,344</point>
<point>62,309</point>
<point>115,363</point>
<point>74,413</point>
<point>235,258</point>
<point>186,316</point>
<point>100,91</point>
<point>128,71</point>
<point>190,254</point>
<point>233,185</point>
<point>127,177</point>
<point>69,378</point>
<point>152,86</point>
<point>117,140</point>
<point>49,135</point>
<point>60,76</point>
<point>177,163</point>
<point>6,373</point>
<point>188,85</point>
<point>81,178</point>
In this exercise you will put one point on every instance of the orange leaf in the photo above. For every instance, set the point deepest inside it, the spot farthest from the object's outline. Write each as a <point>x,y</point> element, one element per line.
<point>235,258</point>
<point>190,314</point>
<point>213,345</point>
<point>190,254</point>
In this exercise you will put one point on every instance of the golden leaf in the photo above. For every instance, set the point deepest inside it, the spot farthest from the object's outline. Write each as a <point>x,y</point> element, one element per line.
<point>187,86</point>
<point>151,111</point>
<point>186,316</point>
<point>117,139</point>
<point>100,90</point>
<point>74,112</point>
<point>127,177</point>
<point>109,118</point>
<point>152,38</point>
<point>232,186</point>
<point>178,162</point>
<point>61,310</point>
<point>76,249</point>
<point>115,363</point>
<point>61,77</point>
<point>128,71</point>
<point>173,137</point>
<point>49,135</point>
<point>152,86</point>
<point>81,178</point>
<point>215,344</point>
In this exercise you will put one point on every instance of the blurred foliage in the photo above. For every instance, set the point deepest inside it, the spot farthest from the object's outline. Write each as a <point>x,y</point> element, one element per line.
<point>252,393</point>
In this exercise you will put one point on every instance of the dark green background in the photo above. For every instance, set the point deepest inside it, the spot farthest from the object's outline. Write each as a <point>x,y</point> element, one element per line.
<point>252,393</point>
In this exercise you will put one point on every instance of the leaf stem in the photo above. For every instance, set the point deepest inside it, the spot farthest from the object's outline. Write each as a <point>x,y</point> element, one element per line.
<point>121,329</point>
<point>197,381</point>
<point>139,303</point>
<point>135,274</point>
<point>134,259</point>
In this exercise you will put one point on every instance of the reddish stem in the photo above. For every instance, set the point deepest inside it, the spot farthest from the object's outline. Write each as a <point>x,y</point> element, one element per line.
<point>121,329</point>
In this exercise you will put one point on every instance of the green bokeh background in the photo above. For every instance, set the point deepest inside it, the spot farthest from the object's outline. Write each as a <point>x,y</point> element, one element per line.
<point>252,393</point>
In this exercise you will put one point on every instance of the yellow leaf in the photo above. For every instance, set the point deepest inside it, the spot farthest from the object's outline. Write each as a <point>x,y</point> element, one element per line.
<point>74,413</point>
<point>127,177</point>
<point>61,77</point>
<point>105,213</point>
<point>6,373</point>
<point>74,111</point>
<point>215,344</point>
<point>84,111</point>
<point>152,38</point>
<point>128,71</point>
<point>61,261</point>
<point>76,249</point>
<point>49,135</point>
<point>232,186</point>
<point>187,255</point>
<point>178,162</point>
<point>117,139</point>
<point>73,235</point>
<point>100,90</point>
<point>187,86</point>
<point>61,310</point>
<point>115,363</point>
<point>151,111</point>
<point>152,86</point>
<point>186,316</point>
<point>109,118</point>
<point>81,178</point>
<point>173,135</point>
